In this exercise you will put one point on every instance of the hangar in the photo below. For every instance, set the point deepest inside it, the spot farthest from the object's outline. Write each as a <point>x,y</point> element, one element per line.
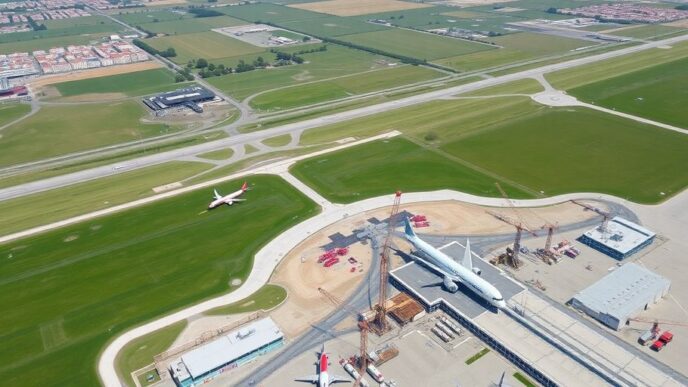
<point>189,97</point>
<point>621,295</point>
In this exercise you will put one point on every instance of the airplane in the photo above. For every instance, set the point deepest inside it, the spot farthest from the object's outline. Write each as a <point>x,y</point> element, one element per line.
<point>453,271</point>
<point>323,378</point>
<point>228,199</point>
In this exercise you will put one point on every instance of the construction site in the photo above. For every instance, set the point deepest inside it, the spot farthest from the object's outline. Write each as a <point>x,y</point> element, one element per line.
<point>385,317</point>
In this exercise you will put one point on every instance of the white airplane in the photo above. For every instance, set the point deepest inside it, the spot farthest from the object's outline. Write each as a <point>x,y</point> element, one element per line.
<point>454,272</point>
<point>323,378</point>
<point>228,199</point>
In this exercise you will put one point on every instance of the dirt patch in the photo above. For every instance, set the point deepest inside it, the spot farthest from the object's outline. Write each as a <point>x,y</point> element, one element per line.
<point>48,92</point>
<point>358,7</point>
<point>235,282</point>
<point>469,3</point>
<point>302,76</point>
<point>96,227</point>
<point>93,73</point>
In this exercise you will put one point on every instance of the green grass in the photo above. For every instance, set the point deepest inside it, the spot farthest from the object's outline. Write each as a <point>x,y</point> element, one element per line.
<point>144,15</point>
<point>381,167</point>
<point>81,286</point>
<point>209,45</point>
<point>614,67</point>
<point>131,84</point>
<point>266,298</point>
<point>248,149</point>
<point>334,62</point>
<point>647,31</point>
<point>477,356</point>
<point>22,213</point>
<point>139,352</point>
<point>222,154</point>
<point>415,44</point>
<point>659,93</point>
<point>187,26</point>
<point>517,47</point>
<point>103,26</point>
<point>12,111</point>
<point>277,141</point>
<point>521,86</point>
<point>343,87</point>
<point>523,379</point>
<point>58,130</point>
<point>581,150</point>
<point>46,43</point>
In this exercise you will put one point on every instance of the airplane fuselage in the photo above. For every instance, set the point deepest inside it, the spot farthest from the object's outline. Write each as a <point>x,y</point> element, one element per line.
<point>227,199</point>
<point>457,272</point>
<point>323,377</point>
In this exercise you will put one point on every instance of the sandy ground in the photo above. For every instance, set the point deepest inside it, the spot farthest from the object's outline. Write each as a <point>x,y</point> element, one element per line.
<point>92,73</point>
<point>358,7</point>
<point>679,23</point>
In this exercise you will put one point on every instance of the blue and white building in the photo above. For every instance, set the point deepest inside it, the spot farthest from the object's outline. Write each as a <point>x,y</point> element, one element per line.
<point>621,239</point>
<point>227,352</point>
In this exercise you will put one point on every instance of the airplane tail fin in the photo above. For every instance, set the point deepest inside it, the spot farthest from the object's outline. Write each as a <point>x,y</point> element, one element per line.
<point>216,194</point>
<point>244,187</point>
<point>409,230</point>
<point>467,261</point>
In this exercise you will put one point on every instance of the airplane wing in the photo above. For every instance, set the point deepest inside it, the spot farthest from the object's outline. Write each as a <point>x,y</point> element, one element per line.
<point>308,379</point>
<point>216,195</point>
<point>338,379</point>
<point>238,200</point>
<point>467,260</point>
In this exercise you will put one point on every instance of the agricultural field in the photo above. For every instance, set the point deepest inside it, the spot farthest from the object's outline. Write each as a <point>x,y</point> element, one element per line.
<point>659,93</point>
<point>186,26</point>
<point>357,7</point>
<point>596,152</point>
<point>102,26</point>
<point>78,290</point>
<point>55,130</point>
<point>646,31</point>
<point>46,43</point>
<point>416,44</point>
<point>12,111</point>
<point>380,167</point>
<point>20,213</point>
<point>144,15</point>
<point>328,90</point>
<point>129,84</point>
<point>209,45</point>
<point>336,61</point>
<point>517,47</point>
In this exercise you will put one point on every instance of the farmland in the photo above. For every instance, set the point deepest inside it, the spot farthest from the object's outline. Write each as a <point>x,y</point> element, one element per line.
<point>208,45</point>
<point>46,43</point>
<point>20,213</point>
<point>597,152</point>
<point>379,167</point>
<point>415,44</point>
<point>66,30</point>
<point>78,290</point>
<point>44,134</point>
<point>357,7</point>
<point>644,93</point>
<point>327,90</point>
<point>186,26</point>
<point>130,84</point>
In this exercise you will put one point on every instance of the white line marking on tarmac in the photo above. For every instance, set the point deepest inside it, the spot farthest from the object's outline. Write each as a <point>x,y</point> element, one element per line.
<point>464,340</point>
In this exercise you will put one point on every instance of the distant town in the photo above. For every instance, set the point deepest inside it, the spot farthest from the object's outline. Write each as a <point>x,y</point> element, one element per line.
<point>622,12</point>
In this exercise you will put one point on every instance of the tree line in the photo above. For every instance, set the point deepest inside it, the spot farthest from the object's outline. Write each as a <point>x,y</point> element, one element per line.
<point>168,53</point>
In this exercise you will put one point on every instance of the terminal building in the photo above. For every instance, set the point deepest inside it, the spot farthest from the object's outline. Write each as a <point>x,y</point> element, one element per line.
<point>204,363</point>
<point>621,239</point>
<point>621,295</point>
<point>189,97</point>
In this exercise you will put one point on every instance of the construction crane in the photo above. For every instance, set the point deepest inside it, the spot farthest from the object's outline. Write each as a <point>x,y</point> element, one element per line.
<point>363,327</point>
<point>550,227</point>
<point>607,215</point>
<point>518,223</point>
<point>380,321</point>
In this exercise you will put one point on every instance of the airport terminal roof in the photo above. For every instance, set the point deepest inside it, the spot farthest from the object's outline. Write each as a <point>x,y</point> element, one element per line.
<point>623,291</point>
<point>621,235</point>
<point>231,347</point>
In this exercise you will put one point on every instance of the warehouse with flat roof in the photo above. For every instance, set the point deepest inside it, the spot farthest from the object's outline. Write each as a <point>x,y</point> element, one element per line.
<point>227,352</point>
<point>621,295</point>
<point>621,238</point>
<point>190,97</point>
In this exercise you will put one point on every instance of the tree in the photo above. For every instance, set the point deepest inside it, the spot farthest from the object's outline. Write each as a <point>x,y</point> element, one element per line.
<point>211,67</point>
<point>201,63</point>
<point>217,72</point>
<point>306,38</point>
<point>179,78</point>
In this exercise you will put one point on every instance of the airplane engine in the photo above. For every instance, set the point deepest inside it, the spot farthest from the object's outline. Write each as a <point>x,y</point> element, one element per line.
<point>450,285</point>
<point>477,271</point>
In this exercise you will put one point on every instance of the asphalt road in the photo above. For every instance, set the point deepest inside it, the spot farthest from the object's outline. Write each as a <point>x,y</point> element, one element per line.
<point>94,173</point>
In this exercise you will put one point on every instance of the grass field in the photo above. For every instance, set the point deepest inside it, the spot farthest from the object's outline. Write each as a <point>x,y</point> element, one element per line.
<point>518,47</point>
<point>381,167</point>
<point>46,43</point>
<point>68,32</point>
<point>595,152</point>
<point>22,213</point>
<point>415,44</point>
<point>222,154</point>
<point>139,353</point>
<point>334,62</point>
<point>322,91</point>
<point>477,356</point>
<point>144,15</point>
<point>130,84</point>
<point>357,7</point>
<point>647,31</point>
<point>659,93</point>
<point>209,45</point>
<point>267,297</point>
<point>83,285</point>
<point>58,130</point>
<point>277,141</point>
<point>186,26</point>
<point>12,111</point>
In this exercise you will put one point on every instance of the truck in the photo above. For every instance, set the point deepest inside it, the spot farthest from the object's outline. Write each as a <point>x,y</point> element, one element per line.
<point>658,345</point>
<point>666,337</point>
<point>354,374</point>
<point>375,373</point>
<point>647,337</point>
